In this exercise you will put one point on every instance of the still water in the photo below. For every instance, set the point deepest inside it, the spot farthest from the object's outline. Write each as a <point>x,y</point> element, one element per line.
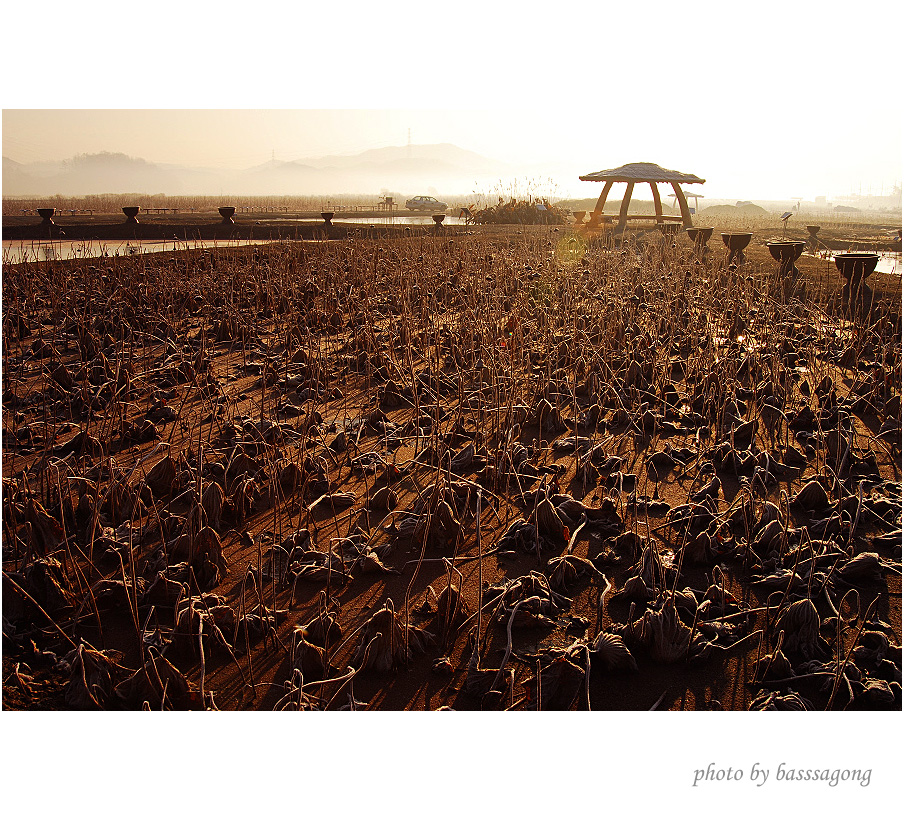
<point>15,252</point>
<point>888,262</point>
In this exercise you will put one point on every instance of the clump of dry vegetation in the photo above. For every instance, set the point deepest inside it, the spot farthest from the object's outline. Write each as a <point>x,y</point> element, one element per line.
<point>521,212</point>
<point>454,469</point>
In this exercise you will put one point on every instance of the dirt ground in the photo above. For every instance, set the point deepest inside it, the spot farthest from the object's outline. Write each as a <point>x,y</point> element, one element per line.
<point>302,380</point>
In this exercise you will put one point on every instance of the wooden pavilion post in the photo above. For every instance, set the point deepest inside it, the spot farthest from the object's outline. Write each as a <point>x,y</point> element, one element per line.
<point>682,203</point>
<point>623,211</point>
<point>600,204</point>
<point>657,204</point>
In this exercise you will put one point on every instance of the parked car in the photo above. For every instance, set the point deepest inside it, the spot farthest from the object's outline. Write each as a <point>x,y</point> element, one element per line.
<point>425,203</point>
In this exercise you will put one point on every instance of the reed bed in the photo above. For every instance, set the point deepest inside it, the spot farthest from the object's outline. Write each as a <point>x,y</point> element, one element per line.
<point>470,470</point>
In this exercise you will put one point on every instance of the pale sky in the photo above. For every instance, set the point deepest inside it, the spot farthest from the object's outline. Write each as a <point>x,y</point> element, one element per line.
<point>766,100</point>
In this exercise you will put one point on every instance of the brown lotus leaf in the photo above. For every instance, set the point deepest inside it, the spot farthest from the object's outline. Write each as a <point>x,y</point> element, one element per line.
<point>81,443</point>
<point>162,592</point>
<point>566,569</point>
<point>212,501</point>
<point>252,627</point>
<point>635,589</point>
<point>549,524</point>
<point>479,682</point>
<point>47,534</point>
<point>671,637</point>
<point>877,694</point>
<point>61,376</point>
<point>308,658</point>
<point>113,594</point>
<point>205,544</point>
<point>864,567</point>
<point>15,605</point>
<point>440,528</point>
<point>768,538</point>
<point>611,650</point>
<point>322,630</point>
<point>46,582</point>
<point>463,458</point>
<point>243,497</point>
<point>871,648</point>
<point>162,476</point>
<point>697,549</point>
<point>159,685</point>
<point>561,684</point>
<point>451,611</point>
<point>383,498</point>
<point>800,622</point>
<point>120,502</point>
<point>769,512</point>
<point>203,618</point>
<point>242,464</point>
<point>334,501</point>
<point>394,644</point>
<point>290,478</point>
<point>298,540</point>
<point>774,666</point>
<point>370,564</point>
<point>812,496</point>
<point>547,416</point>
<point>772,702</point>
<point>91,678</point>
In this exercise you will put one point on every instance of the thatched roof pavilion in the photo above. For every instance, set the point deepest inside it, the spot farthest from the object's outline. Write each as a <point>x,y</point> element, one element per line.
<point>633,173</point>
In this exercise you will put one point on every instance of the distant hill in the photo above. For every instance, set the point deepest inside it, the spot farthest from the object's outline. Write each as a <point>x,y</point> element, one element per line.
<point>416,169</point>
<point>748,209</point>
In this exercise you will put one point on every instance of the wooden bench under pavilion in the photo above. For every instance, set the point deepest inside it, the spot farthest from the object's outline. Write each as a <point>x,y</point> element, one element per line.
<point>631,174</point>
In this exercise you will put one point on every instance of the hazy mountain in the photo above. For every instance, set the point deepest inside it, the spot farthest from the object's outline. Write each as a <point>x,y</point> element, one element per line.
<point>413,169</point>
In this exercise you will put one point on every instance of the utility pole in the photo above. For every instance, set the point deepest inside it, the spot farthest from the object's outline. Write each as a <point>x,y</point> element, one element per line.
<point>409,143</point>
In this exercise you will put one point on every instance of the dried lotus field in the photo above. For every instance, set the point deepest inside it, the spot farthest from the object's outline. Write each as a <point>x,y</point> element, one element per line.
<point>470,471</point>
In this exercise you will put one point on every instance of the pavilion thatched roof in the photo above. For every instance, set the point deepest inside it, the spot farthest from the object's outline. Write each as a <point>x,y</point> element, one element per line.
<point>640,172</point>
